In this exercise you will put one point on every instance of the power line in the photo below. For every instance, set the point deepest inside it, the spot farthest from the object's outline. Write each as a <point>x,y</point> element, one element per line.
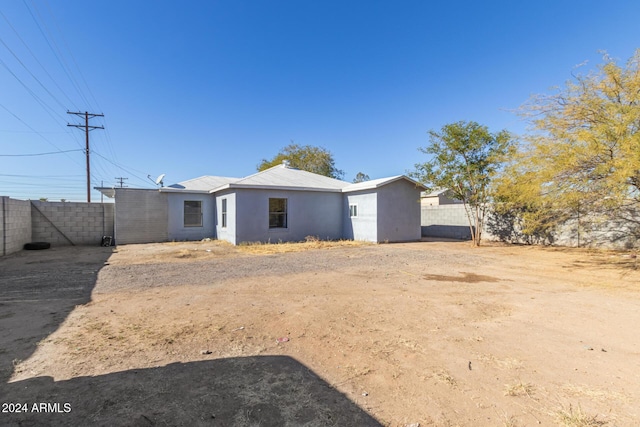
<point>73,59</point>
<point>39,154</point>
<point>43,176</point>
<point>35,131</point>
<point>122,167</point>
<point>56,51</point>
<point>43,104</point>
<point>37,60</point>
<point>32,75</point>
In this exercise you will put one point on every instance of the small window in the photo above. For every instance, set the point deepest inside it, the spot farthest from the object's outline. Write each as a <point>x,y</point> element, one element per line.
<point>224,213</point>
<point>193,213</point>
<point>277,213</point>
<point>353,211</point>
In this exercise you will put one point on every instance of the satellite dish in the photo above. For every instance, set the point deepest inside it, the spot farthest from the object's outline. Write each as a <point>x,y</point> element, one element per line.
<point>159,180</point>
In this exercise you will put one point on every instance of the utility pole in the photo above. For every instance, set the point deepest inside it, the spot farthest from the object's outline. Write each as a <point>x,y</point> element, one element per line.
<point>87,128</point>
<point>121,180</point>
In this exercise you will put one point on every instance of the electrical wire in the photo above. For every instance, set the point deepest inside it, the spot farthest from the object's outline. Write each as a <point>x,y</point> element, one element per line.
<point>39,154</point>
<point>55,51</point>
<point>31,74</point>
<point>37,60</point>
<point>35,131</point>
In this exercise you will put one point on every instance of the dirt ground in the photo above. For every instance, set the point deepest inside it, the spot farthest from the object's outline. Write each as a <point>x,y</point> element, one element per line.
<point>426,333</point>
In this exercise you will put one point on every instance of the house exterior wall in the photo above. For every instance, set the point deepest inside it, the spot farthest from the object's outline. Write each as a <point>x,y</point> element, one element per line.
<point>15,225</point>
<point>398,212</point>
<point>141,216</point>
<point>308,213</point>
<point>365,225</point>
<point>66,223</point>
<point>177,230</point>
<point>227,233</point>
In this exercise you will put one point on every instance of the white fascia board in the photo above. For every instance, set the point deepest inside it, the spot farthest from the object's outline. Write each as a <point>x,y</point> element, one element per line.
<point>275,187</point>
<point>181,190</point>
<point>107,191</point>
<point>377,183</point>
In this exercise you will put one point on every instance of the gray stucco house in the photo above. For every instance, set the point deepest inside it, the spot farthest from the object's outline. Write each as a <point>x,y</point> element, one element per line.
<point>279,204</point>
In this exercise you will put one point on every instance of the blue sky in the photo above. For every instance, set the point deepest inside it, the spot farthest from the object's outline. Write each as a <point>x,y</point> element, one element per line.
<point>197,88</point>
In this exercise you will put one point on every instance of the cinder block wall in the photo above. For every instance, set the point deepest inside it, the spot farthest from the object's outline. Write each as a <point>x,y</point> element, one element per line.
<point>448,221</point>
<point>15,224</point>
<point>62,223</point>
<point>142,216</point>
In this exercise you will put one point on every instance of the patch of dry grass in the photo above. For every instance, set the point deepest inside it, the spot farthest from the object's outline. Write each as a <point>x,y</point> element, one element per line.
<point>209,249</point>
<point>593,393</point>
<point>518,389</point>
<point>259,248</point>
<point>445,378</point>
<point>576,417</point>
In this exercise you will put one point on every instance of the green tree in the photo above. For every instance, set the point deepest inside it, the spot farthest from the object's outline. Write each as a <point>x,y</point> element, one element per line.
<point>306,157</point>
<point>465,159</point>
<point>361,177</point>
<point>582,160</point>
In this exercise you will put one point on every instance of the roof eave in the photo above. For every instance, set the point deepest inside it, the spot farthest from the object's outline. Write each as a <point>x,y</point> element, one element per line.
<point>182,190</point>
<point>274,187</point>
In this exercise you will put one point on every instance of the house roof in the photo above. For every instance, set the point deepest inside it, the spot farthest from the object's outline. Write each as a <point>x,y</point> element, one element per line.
<point>285,177</point>
<point>281,177</point>
<point>203,183</point>
<point>376,183</point>
<point>435,193</point>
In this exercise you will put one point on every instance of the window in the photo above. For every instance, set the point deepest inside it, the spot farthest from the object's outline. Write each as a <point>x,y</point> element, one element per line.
<point>277,213</point>
<point>193,213</point>
<point>353,211</point>
<point>224,213</point>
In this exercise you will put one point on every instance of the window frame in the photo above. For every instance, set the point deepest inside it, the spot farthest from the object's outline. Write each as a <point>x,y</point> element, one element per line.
<point>353,210</point>
<point>224,212</point>
<point>191,215</point>
<point>282,224</point>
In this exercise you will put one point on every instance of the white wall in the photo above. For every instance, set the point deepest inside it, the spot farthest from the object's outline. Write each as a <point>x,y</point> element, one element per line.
<point>309,213</point>
<point>399,212</point>
<point>227,233</point>
<point>176,228</point>
<point>365,225</point>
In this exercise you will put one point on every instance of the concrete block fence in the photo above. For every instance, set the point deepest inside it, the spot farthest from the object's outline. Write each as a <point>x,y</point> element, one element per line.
<point>449,221</point>
<point>15,224</point>
<point>59,223</point>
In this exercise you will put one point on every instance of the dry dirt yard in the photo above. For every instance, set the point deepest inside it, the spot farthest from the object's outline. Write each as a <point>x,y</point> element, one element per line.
<point>345,334</point>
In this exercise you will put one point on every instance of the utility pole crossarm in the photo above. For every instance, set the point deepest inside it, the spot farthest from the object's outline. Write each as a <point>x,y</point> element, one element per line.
<point>87,129</point>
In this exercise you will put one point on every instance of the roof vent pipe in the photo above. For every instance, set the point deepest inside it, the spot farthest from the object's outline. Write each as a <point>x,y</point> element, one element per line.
<point>285,163</point>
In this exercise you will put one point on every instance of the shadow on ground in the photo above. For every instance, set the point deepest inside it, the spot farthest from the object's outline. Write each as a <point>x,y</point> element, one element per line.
<point>38,290</point>
<point>248,391</point>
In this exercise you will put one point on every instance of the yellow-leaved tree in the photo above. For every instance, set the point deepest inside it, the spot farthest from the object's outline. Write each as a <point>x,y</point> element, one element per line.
<point>582,158</point>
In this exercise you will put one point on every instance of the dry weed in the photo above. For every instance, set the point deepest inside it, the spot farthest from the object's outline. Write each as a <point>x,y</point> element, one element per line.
<point>509,421</point>
<point>444,377</point>
<point>592,393</point>
<point>259,248</point>
<point>577,418</point>
<point>518,389</point>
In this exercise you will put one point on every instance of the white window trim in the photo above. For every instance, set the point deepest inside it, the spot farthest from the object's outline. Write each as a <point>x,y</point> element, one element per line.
<point>286,214</point>
<point>184,217</point>
<point>355,205</point>
<point>224,213</point>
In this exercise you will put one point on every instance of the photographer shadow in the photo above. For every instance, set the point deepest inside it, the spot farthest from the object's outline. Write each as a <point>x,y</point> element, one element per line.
<point>242,391</point>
